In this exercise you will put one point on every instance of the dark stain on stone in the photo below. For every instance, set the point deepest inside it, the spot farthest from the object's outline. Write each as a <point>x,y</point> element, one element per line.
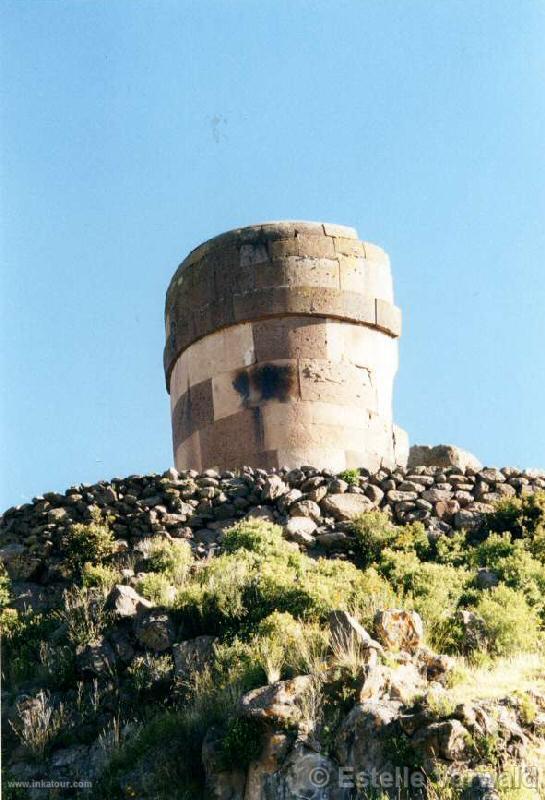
<point>273,382</point>
<point>258,426</point>
<point>241,384</point>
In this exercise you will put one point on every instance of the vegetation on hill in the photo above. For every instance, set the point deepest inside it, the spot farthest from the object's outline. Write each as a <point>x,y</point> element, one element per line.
<point>85,674</point>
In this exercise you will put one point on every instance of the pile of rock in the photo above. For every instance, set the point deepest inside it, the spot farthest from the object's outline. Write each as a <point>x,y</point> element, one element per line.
<point>401,713</point>
<point>314,506</point>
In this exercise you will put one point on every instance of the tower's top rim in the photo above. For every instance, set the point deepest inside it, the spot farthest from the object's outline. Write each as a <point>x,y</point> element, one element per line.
<point>276,229</point>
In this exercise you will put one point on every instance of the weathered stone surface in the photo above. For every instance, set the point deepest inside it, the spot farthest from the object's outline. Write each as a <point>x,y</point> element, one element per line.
<point>442,455</point>
<point>300,529</point>
<point>399,630</point>
<point>346,629</point>
<point>154,630</point>
<point>124,601</point>
<point>446,739</point>
<point>345,506</point>
<point>278,702</point>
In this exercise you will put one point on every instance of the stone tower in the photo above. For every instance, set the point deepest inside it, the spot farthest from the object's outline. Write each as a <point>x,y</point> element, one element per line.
<point>282,350</point>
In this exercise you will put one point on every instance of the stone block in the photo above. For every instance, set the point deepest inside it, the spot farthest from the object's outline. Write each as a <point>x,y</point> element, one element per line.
<point>388,318</point>
<point>336,382</point>
<point>353,274</point>
<point>293,337</point>
<point>251,254</point>
<point>348,247</point>
<point>188,453</point>
<point>375,253</point>
<point>340,231</point>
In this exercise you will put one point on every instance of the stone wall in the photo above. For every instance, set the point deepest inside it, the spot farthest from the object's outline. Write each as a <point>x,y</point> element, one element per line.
<point>282,349</point>
<point>314,506</point>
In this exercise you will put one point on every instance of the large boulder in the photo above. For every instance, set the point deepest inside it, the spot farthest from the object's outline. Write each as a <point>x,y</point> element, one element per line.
<point>399,630</point>
<point>154,630</point>
<point>346,506</point>
<point>125,602</point>
<point>447,739</point>
<point>278,702</point>
<point>363,738</point>
<point>442,455</point>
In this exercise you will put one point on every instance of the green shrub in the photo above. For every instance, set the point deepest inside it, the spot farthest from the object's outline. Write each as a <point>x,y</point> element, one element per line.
<point>257,536</point>
<point>164,753</point>
<point>522,517</point>
<point>156,587</point>
<point>376,534</point>
<point>514,565</point>
<point>100,576</point>
<point>435,592</point>
<point>285,646</point>
<point>21,644</point>
<point>89,542</point>
<point>171,558</point>
<point>452,550</point>
<point>259,575</point>
<point>350,476</point>
<point>510,625</point>
<point>374,531</point>
<point>83,616</point>
<point>5,587</point>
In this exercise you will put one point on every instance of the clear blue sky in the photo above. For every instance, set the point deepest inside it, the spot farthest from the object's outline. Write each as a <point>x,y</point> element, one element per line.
<point>131,131</point>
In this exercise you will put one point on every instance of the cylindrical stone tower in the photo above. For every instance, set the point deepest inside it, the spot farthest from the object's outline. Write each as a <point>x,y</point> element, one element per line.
<point>282,350</point>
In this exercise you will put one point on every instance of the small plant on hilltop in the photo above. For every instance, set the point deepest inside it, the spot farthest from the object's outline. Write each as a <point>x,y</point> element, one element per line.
<point>256,536</point>
<point>377,535</point>
<point>170,558</point>
<point>350,476</point>
<point>89,542</point>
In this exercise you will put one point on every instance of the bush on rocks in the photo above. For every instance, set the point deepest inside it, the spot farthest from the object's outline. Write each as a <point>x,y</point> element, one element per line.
<point>89,542</point>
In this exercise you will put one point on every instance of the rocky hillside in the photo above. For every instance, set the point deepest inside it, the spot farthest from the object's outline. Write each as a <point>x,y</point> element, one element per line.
<point>293,635</point>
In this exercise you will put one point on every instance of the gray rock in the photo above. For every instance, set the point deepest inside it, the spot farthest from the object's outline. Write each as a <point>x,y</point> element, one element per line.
<point>125,602</point>
<point>273,488</point>
<point>345,506</point>
<point>486,579</point>
<point>399,630</point>
<point>154,630</point>
<point>435,495</point>
<point>345,628</point>
<point>278,702</point>
<point>338,486</point>
<point>96,659</point>
<point>306,508</point>
<point>374,493</point>
<point>300,530</point>
<point>446,739</point>
<point>442,455</point>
